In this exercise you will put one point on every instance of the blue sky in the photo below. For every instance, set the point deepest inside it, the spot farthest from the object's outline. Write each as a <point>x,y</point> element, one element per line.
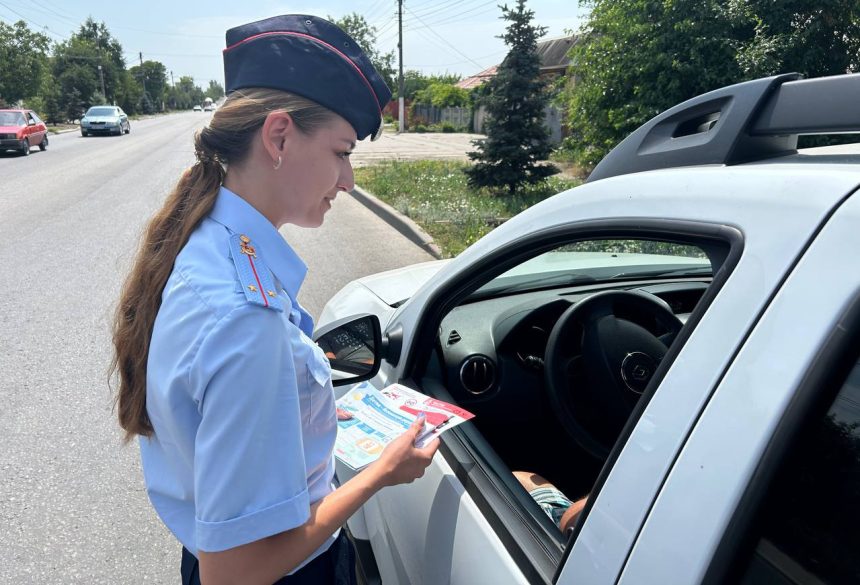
<point>458,36</point>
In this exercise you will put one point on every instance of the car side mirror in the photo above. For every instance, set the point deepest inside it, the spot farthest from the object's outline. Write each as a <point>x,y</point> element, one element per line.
<point>353,347</point>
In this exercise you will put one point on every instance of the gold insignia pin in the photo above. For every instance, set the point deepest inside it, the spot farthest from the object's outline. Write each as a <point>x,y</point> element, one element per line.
<point>246,246</point>
<point>271,293</point>
<point>252,288</point>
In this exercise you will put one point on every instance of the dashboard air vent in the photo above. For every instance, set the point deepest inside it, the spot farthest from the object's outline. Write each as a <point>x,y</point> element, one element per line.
<point>454,337</point>
<point>478,374</point>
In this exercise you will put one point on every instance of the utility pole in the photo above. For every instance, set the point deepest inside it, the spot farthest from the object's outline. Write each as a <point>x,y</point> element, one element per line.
<point>400,102</point>
<point>142,72</point>
<point>102,77</point>
<point>171,79</point>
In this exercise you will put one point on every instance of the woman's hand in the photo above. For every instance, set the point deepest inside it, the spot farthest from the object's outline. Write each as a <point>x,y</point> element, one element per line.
<point>401,461</point>
<point>267,559</point>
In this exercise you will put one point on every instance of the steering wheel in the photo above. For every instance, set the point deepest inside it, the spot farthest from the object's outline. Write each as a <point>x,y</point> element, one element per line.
<point>600,356</point>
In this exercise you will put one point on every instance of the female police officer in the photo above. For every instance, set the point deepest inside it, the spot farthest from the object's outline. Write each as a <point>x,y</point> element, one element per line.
<point>217,375</point>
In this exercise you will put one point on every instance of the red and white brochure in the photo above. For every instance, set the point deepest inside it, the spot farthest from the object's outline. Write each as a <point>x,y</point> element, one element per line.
<point>368,419</point>
<point>439,415</point>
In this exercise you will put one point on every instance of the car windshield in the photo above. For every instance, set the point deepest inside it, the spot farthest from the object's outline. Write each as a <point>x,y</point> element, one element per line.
<point>599,261</point>
<point>101,112</point>
<point>12,119</point>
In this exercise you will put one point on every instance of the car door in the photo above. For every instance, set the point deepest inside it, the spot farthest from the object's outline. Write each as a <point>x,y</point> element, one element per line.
<point>462,523</point>
<point>41,129</point>
<point>766,487</point>
<point>31,131</point>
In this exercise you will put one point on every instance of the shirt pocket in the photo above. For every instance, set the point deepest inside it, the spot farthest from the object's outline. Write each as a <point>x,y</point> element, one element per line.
<point>318,376</point>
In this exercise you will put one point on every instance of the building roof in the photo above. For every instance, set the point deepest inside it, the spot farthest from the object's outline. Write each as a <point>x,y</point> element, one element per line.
<point>553,57</point>
<point>477,79</point>
<point>553,52</point>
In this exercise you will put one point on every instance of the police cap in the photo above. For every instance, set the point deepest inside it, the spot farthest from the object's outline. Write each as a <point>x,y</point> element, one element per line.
<point>310,57</point>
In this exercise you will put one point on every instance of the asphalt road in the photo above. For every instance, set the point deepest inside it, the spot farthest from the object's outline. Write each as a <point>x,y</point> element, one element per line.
<point>72,504</point>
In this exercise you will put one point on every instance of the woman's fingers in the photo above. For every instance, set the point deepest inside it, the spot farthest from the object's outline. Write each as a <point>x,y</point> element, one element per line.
<point>429,449</point>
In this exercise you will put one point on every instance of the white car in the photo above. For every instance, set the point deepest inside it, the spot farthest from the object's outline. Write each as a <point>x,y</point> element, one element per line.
<point>678,338</point>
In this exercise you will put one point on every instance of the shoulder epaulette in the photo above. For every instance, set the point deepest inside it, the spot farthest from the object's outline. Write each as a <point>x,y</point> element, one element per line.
<point>254,275</point>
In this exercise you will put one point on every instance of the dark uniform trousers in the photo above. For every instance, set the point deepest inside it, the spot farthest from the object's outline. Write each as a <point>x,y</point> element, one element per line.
<point>336,566</point>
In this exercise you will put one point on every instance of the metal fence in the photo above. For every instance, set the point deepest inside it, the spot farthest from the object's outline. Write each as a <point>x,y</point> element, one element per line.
<point>458,117</point>
<point>551,117</point>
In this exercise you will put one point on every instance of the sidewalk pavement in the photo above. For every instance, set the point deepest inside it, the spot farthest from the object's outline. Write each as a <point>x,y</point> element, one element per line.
<point>413,146</point>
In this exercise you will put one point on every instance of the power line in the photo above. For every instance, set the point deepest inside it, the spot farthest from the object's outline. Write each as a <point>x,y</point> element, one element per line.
<point>42,26</point>
<point>434,42</point>
<point>438,8</point>
<point>387,26</point>
<point>446,42</point>
<point>375,11</point>
<point>46,9</point>
<point>422,4</point>
<point>155,32</point>
<point>113,26</point>
<point>461,62</point>
<point>454,17</point>
<point>210,55</point>
<point>51,4</point>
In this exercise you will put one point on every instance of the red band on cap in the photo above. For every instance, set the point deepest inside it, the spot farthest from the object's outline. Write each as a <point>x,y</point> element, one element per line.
<point>323,43</point>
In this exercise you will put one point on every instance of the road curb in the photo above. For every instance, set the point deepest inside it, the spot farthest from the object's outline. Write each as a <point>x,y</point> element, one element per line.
<point>398,221</point>
<point>66,131</point>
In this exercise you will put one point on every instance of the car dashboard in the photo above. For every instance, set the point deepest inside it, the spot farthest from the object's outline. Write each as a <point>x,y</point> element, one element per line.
<point>490,359</point>
<point>494,347</point>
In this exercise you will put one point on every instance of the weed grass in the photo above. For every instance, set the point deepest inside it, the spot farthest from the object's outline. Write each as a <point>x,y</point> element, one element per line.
<point>436,195</point>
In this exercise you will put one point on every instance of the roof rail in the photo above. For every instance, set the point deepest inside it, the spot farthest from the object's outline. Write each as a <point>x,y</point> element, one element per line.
<point>739,123</point>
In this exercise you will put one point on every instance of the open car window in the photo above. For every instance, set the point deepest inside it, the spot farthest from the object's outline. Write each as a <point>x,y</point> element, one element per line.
<point>556,352</point>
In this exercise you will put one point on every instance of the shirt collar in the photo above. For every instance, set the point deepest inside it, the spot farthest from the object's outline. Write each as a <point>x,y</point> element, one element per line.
<point>239,216</point>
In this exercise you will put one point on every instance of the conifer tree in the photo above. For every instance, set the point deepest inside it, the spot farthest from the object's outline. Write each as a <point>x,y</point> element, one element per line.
<point>517,138</point>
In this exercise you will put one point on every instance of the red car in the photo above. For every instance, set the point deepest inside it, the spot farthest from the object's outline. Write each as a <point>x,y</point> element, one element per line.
<point>21,129</point>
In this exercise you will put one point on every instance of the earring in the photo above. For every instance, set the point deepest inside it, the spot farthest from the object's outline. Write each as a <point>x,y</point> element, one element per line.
<point>277,165</point>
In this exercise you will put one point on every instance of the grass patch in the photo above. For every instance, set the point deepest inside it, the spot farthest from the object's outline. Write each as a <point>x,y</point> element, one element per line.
<point>57,128</point>
<point>436,195</point>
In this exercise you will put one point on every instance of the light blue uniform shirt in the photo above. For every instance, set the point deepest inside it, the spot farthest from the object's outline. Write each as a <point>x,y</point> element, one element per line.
<point>239,396</point>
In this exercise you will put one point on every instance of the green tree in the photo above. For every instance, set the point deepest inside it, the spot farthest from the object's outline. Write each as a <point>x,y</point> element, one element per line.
<point>442,95</point>
<point>23,61</point>
<point>76,68</point>
<point>145,105</point>
<point>152,78</point>
<point>215,91</point>
<point>814,38</point>
<point>75,106</point>
<point>517,139</point>
<point>185,95</point>
<point>684,48</point>
<point>52,110</point>
<point>414,81</point>
<point>356,26</point>
<point>129,93</point>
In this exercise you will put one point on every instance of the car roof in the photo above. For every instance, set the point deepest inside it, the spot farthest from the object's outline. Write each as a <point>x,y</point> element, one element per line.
<point>750,121</point>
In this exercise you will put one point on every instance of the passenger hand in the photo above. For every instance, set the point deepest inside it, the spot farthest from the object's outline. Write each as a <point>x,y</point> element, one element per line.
<point>401,461</point>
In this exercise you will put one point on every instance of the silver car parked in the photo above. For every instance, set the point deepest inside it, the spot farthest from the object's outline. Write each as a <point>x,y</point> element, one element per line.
<point>105,120</point>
